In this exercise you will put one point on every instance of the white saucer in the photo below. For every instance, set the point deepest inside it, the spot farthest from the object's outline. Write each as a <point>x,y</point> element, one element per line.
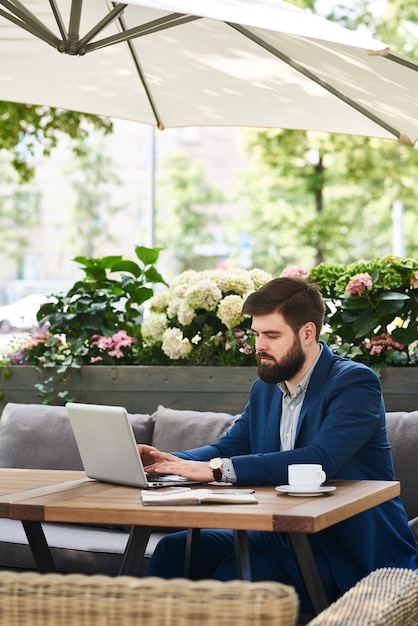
<point>302,492</point>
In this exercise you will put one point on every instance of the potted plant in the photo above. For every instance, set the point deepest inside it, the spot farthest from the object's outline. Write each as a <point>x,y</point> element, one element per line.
<point>372,317</point>
<point>97,328</point>
<point>372,309</point>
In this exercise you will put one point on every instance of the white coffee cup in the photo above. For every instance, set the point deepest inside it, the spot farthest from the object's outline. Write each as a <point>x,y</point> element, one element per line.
<point>307,476</point>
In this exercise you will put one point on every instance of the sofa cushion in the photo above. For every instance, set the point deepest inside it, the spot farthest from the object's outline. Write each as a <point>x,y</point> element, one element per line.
<point>39,436</point>
<point>177,430</point>
<point>86,549</point>
<point>402,430</point>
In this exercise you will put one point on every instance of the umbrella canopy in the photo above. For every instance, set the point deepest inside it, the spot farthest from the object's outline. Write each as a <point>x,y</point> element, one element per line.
<point>174,63</point>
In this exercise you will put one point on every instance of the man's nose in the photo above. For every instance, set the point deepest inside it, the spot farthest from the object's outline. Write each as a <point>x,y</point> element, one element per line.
<point>260,344</point>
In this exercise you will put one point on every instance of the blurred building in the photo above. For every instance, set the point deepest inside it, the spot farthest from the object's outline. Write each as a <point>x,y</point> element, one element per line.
<point>37,255</point>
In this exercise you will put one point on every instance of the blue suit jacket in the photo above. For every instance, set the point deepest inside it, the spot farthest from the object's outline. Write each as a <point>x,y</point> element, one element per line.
<point>342,427</point>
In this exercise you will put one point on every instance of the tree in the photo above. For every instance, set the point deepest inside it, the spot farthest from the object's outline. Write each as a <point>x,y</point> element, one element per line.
<point>93,179</point>
<point>27,130</point>
<point>185,209</point>
<point>317,196</point>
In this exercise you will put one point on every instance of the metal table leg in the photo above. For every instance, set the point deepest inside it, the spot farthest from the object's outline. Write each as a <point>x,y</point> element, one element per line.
<point>135,550</point>
<point>242,554</point>
<point>309,571</point>
<point>38,544</point>
<point>192,553</point>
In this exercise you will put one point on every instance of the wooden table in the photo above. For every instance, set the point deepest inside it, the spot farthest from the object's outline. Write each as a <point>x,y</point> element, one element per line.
<point>15,481</point>
<point>90,502</point>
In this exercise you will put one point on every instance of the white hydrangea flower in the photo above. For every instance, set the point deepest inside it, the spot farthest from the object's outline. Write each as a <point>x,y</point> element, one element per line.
<point>230,311</point>
<point>174,345</point>
<point>186,278</point>
<point>159,302</point>
<point>153,328</point>
<point>185,313</point>
<point>259,277</point>
<point>236,280</point>
<point>174,305</point>
<point>204,294</point>
<point>175,298</point>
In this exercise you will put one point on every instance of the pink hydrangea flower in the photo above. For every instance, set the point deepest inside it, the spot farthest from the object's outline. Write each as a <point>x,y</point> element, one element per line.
<point>358,284</point>
<point>377,344</point>
<point>295,271</point>
<point>414,280</point>
<point>113,344</point>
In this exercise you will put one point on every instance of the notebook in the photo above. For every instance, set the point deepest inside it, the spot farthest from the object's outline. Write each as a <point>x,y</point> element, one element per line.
<point>108,449</point>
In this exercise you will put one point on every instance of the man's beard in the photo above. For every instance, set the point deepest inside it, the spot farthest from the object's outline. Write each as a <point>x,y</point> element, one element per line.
<point>288,367</point>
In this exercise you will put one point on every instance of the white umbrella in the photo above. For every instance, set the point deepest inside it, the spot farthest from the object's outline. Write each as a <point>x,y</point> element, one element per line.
<point>174,63</point>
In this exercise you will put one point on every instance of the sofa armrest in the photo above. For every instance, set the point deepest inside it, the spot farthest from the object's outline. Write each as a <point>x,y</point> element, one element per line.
<point>49,599</point>
<point>386,597</point>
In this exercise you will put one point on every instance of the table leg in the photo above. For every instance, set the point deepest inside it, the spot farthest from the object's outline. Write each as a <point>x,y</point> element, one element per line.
<point>38,545</point>
<point>135,550</point>
<point>309,571</point>
<point>192,553</point>
<point>242,554</point>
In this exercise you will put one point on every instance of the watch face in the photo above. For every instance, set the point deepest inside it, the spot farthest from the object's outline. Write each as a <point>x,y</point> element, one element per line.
<point>215,463</point>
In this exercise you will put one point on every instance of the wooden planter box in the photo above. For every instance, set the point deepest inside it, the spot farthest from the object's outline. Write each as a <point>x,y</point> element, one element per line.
<point>141,389</point>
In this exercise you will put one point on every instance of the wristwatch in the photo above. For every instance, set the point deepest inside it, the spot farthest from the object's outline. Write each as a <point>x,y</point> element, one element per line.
<point>216,466</point>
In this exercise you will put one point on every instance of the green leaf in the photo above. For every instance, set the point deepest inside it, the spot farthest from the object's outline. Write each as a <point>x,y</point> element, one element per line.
<point>127,266</point>
<point>393,295</point>
<point>405,335</point>
<point>147,255</point>
<point>364,324</point>
<point>389,307</point>
<point>153,276</point>
<point>355,303</point>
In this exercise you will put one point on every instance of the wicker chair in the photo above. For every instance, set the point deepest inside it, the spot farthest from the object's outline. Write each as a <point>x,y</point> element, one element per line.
<point>386,597</point>
<point>32,599</point>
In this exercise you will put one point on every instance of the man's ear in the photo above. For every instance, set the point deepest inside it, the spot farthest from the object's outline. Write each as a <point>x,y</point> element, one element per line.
<point>308,333</point>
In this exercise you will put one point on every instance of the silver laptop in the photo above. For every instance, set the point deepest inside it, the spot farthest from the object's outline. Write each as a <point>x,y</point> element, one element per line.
<point>108,449</point>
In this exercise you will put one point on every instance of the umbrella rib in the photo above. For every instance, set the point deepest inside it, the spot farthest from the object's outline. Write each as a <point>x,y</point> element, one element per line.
<point>306,72</point>
<point>174,19</point>
<point>20,16</point>
<point>412,65</point>
<point>160,123</point>
<point>74,27</point>
<point>60,22</point>
<point>108,19</point>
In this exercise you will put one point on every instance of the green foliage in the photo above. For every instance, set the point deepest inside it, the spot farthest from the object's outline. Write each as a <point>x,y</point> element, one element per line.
<point>93,180</point>
<point>185,208</point>
<point>302,213</point>
<point>27,130</point>
<point>338,208</point>
<point>102,303</point>
<point>372,309</point>
<point>97,321</point>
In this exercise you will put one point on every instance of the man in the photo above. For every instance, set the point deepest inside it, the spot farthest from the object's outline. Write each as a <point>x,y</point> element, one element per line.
<point>307,406</point>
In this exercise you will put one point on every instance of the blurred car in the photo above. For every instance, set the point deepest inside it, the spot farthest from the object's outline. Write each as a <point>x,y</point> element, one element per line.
<point>21,315</point>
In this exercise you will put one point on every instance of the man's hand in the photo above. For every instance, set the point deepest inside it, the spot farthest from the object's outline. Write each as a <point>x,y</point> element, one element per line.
<point>151,455</point>
<point>193,470</point>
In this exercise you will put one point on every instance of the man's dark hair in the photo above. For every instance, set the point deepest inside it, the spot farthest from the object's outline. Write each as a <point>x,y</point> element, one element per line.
<point>296,300</point>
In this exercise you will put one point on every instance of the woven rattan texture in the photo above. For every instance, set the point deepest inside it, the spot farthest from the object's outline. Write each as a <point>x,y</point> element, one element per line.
<point>387,597</point>
<point>32,599</point>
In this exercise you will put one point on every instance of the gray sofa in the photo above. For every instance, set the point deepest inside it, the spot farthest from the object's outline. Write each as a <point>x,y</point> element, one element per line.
<point>40,437</point>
